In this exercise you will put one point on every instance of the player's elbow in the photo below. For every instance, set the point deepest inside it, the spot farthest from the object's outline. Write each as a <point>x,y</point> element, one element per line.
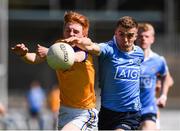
<point>171,83</point>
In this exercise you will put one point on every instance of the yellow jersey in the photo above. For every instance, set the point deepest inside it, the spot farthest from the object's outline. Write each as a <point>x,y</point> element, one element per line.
<point>77,85</point>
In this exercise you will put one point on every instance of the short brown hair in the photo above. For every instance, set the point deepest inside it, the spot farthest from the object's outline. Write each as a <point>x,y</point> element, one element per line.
<point>127,22</point>
<point>75,17</point>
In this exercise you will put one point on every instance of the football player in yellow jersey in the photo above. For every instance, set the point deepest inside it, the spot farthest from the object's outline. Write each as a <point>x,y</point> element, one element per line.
<point>77,94</point>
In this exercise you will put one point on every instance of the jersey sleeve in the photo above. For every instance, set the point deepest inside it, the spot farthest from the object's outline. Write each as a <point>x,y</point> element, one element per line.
<point>103,49</point>
<point>164,67</point>
<point>106,48</point>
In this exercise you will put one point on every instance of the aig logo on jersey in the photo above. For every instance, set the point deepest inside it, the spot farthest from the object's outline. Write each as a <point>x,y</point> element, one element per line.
<point>127,73</point>
<point>138,61</point>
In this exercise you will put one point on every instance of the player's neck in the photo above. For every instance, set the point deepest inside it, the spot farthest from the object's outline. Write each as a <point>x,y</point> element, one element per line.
<point>147,52</point>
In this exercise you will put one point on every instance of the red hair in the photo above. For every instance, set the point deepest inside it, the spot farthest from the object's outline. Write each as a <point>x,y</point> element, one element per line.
<point>75,17</point>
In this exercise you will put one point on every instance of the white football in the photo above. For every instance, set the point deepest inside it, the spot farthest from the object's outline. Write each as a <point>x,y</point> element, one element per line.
<point>60,56</point>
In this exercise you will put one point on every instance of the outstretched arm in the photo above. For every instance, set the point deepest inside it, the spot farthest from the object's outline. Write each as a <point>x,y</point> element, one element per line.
<point>85,44</point>
<point>30,58</point>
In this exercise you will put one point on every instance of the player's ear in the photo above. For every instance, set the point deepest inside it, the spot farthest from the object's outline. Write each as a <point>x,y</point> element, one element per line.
<point>153,39</point>
<point>116,31</point>
<point>136,36</point>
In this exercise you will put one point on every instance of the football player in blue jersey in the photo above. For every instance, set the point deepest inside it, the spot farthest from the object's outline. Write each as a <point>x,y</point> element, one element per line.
<point>119,61</point>
<point>154,65</point>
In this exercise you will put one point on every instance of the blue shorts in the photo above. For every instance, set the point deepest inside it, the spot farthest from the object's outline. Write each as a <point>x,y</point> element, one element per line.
<point>149,116</point>
<point>111,120</point>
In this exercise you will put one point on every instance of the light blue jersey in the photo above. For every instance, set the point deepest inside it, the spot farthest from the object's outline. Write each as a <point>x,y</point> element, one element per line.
<point>151,66</point>
<point>119,77</point>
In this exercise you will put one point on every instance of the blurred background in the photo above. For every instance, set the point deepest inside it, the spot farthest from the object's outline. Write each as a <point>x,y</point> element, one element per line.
<point>41,21</point>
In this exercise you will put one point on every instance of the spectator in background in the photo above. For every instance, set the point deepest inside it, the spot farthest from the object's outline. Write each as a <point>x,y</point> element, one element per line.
<point>3,117</point>
<point>54,103</point>
<point>35,102</point>
<point>2,109</point>
<point>154,65</point>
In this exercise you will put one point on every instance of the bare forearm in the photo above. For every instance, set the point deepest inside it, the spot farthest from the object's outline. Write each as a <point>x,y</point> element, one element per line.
<point>94,48</point>
<point>32,58</point>
<point>85,44</point>
<point>165,90</point>
<point>170,80</point>
<point>167,82</point>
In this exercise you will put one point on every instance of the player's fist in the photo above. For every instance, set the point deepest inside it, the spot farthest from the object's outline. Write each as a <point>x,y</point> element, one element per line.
<point>20,49</point>
<point>41,51</point>
<point>161,101</point>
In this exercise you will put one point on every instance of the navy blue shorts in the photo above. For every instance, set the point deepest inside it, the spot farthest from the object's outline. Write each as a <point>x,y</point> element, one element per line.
<point>149,116</point>
<point>111,120</point>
